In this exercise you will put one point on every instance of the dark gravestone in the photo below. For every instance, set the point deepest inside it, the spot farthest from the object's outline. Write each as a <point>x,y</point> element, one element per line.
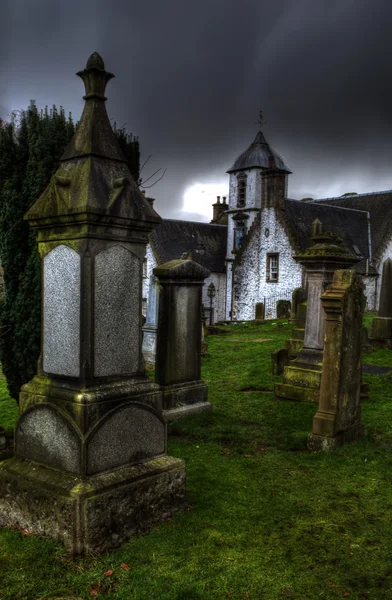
<point>260,312</point>
<point>385,306</point>
<point>280,359</point>
<point>177,360</point>
<point>338,418</point>
<point>381,329</point>
<point>283,309</point>
<point>297,297</point>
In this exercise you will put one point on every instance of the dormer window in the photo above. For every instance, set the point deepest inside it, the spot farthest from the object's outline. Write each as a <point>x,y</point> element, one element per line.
<point>241,190</point>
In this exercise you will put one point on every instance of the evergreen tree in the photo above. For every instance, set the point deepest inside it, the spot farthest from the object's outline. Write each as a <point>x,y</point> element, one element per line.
<point>31,146</point>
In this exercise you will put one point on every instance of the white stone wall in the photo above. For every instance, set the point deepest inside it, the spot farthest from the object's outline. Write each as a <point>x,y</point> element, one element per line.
<point>253,189</point>
<point>247,281</point>
<point>370,291</point>
<point>251,284</point>
<point>151,264</point>
<point>229,267</point>
<point>290,272</point>
<point>218,303</point>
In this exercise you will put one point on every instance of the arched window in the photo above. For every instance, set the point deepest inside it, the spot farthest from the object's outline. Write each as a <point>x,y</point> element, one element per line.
<point>241,190</point>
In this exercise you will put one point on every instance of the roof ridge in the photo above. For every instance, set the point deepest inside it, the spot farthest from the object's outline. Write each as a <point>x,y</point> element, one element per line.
<point>351,196</point>
<point>194,222</point>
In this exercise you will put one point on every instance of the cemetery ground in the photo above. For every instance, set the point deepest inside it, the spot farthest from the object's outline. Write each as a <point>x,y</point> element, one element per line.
<point>266,518</point>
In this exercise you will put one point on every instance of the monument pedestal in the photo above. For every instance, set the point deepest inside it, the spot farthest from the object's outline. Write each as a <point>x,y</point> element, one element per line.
<point>91,514</point>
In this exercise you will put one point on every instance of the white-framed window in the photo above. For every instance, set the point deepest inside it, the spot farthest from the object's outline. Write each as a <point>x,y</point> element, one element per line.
<point>272,267</point>
<point>144,268</point>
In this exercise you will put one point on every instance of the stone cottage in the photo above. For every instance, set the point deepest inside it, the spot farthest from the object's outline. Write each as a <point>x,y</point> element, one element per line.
<point>250,244</point>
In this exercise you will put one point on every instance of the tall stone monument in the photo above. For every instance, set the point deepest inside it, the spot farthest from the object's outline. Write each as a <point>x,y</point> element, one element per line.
<point>338,419</point>
<point>178,363</point>
<point>301,379</point>
<point>381,328</point>
<point>90,466</point>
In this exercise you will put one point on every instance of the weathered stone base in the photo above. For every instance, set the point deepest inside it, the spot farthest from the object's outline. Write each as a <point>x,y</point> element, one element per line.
<point>284,391</point>
<point>92,514</point>
<point>182,394</point>
<point>181,412</point>
<point>326,443</point>
<point>299,384</point>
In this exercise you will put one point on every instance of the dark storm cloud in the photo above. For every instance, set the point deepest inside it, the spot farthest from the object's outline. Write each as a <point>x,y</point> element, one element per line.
<point>191,78</point>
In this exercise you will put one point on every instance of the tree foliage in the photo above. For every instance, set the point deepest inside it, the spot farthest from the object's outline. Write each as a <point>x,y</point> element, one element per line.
<point>31,145</point>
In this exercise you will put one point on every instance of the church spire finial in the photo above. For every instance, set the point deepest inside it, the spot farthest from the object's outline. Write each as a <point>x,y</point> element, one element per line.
<point>260,121</point>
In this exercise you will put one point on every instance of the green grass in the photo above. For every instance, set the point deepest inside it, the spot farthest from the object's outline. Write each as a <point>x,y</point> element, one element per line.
<point>266,518</point>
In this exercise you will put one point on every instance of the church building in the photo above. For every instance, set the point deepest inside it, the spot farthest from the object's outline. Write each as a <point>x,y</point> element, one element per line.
<point>250,244</point>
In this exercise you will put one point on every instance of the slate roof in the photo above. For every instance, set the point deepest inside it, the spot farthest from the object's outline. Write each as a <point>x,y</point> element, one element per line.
<point>259,154</point>
<point>349,224</point>
<point>172,238</point>
<point>379,205</point>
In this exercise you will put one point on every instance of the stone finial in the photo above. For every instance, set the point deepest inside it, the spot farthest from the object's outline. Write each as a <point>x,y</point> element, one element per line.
<point>95,77</point>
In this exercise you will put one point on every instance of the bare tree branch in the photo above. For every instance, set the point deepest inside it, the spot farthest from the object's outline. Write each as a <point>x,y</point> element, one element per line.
<point>148,186</point>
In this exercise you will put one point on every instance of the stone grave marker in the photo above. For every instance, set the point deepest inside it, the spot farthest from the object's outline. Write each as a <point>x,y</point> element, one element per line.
<point>90,466</point>
<point>338,418</point>
<point>177,363</point>
<point>301,379</point>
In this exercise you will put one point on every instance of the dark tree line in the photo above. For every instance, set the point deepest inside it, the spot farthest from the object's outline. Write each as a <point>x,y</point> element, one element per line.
<point>31,145</point>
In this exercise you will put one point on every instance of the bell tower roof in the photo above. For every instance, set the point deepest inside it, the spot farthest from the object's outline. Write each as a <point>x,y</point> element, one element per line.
<point>259,155</point>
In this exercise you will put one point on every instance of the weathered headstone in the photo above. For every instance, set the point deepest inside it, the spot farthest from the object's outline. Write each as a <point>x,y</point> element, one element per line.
<point>280,360</point>
<point>338,418</point>
<point>283,309</point>
<point>177,362</point>
<point>90,466</point>
<point>381,328</point>
<point>259,311</point>
<point>150,327</point>
<point>301,379</point>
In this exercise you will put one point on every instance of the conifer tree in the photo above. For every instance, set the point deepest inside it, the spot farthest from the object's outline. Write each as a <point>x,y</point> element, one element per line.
<point>31,145</point>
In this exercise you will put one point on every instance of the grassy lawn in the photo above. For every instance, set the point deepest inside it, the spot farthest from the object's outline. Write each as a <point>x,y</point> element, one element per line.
<point>266,519</point>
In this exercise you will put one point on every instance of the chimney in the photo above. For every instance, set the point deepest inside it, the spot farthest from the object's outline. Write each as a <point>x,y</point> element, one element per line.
<point>219,208</point>
<point>274,188</point>
<point>151,201</point>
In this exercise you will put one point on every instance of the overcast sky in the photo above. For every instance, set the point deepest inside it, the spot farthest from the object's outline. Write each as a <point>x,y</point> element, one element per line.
<point>191,77</point>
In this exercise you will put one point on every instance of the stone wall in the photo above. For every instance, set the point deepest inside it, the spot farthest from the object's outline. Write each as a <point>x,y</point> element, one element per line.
<point>290,272</point>
<point>371,285</point>
<point>218,303</point>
